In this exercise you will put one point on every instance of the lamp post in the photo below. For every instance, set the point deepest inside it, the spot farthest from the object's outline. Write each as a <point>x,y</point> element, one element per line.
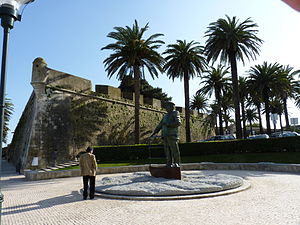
<point>10,11</point>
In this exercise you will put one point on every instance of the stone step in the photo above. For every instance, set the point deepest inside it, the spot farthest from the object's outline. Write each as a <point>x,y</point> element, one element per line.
<point>51,168</point>
<point>62,165</point>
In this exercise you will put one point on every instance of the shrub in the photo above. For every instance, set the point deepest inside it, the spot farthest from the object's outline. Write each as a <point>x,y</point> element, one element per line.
<point>143,151</point>
<point>127,152</point>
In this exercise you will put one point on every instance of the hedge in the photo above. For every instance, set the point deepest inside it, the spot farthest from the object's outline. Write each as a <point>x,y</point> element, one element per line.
<point>128,152</point>
<point>143,151</point>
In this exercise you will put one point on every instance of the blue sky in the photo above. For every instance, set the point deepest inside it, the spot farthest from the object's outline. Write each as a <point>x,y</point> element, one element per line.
<point>69,35</point>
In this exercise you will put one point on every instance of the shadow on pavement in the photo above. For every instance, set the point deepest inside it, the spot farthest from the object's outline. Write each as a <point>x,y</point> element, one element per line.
<point>74,196</point>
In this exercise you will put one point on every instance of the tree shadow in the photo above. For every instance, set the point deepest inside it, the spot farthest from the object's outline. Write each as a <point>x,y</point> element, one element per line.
<point>246,174</point>
<point>18,180</point>
<point>74,196</point>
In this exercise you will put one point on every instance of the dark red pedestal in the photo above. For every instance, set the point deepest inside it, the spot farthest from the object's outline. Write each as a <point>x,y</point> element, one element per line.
<point>165,172</point>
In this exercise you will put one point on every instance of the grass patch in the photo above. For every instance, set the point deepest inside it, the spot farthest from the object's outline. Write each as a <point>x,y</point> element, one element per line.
<point>103,165</point>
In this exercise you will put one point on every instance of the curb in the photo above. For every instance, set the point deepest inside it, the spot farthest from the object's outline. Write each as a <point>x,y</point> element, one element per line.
<point>262,166</point>
<point>246,185</point>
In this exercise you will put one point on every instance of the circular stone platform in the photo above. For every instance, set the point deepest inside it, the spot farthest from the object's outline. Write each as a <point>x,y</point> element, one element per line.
<point>142,186</point>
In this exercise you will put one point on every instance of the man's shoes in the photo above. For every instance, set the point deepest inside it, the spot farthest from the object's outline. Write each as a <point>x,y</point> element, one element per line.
<point>84,198</point>
<point>91,198</point>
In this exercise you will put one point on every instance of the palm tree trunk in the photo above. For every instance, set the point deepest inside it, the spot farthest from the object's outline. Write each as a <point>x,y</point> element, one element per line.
<point>280,121</point>
<point>187,108</point>
<point>216,124</point>
<point>286,115</point>
<point>217,96</point>
<point>243,119</point>
<point>226,124</point>
<point>267,111</point>
<point>226,120</point>
<point>136,105</point>
<point>221,130</point>
<point>261,130</point>
<point>251,130</point>
<point>236,97</point>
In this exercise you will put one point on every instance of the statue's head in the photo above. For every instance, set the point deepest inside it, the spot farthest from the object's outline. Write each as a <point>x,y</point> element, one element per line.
<point>170,106</point>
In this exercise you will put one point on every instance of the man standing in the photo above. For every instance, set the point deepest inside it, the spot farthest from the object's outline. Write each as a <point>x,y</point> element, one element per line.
<point>169,126</point>
<point>88,167</point>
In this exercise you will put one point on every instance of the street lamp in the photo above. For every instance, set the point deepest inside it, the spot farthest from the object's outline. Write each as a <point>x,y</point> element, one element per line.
<point>10,11</point>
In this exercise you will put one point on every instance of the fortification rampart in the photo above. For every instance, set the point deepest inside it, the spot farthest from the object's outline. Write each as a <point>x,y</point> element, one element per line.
<point>64,116</point>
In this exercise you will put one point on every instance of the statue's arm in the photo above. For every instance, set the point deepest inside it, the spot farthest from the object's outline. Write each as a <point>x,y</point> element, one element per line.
<point>158,128</point>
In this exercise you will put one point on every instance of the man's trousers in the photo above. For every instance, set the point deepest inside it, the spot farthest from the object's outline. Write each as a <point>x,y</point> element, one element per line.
<point>89,181</point>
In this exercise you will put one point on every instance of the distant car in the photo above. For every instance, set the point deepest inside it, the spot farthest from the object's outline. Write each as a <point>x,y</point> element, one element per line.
<point>221,137</point>
<point>285,134</point>
<point>258,136</point>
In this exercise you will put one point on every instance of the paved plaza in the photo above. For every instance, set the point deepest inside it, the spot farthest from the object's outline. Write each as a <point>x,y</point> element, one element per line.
<point>273,199</point>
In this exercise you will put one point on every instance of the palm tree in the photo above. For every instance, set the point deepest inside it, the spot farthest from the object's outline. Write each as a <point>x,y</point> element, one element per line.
<point>133,53</point>
<point>8,111</point>
<point>297,102</point>
<point>227,106</point>
<point>265,78</point>
<point>297,94</point>
<point>288,89</point>
<point>216,81</point>
<point>199,102</point>
<point>185,61</point>
<point>208,122</point>
<point>251,116</point>
<point>243,97</point>
<point>256,100</point>
<point>127,85</point>
<point>276,107</point>
<point>227,119</point>
<point>213,115</point>
<point>230,41</point>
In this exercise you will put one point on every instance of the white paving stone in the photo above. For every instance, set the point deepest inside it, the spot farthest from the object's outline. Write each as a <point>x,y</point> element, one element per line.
<point>273,199</point>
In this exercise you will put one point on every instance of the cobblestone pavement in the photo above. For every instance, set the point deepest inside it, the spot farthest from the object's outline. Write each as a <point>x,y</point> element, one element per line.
<point>273,199</point>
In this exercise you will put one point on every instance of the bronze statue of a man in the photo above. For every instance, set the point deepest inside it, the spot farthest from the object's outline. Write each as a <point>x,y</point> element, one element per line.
<point>169,126</point>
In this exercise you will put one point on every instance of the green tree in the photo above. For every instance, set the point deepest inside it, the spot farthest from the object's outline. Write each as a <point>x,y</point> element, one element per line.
<point>133,53</point>
<point>8,111</point>
<point>255,99</point>
<point>200,103</point>
<point>276,107</point>
<point>216,81</point>
<point>230,41</point>
<point>297,93</point>
<point>227,106</point>
<point>251,116</point>
<point>185,61</point>
<point>127,84</point>
<point>287,89</point>
<point>297,101</point>
<point>214,114</point>
<point>265,79</point>
<point>243,89</point>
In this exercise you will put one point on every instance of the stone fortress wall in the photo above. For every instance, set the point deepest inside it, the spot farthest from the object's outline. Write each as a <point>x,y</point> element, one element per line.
<point>64,114</point>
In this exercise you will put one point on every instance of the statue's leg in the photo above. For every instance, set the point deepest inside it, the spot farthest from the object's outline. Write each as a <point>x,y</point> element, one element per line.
<point>173,143</point>
<point>167,151</point>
